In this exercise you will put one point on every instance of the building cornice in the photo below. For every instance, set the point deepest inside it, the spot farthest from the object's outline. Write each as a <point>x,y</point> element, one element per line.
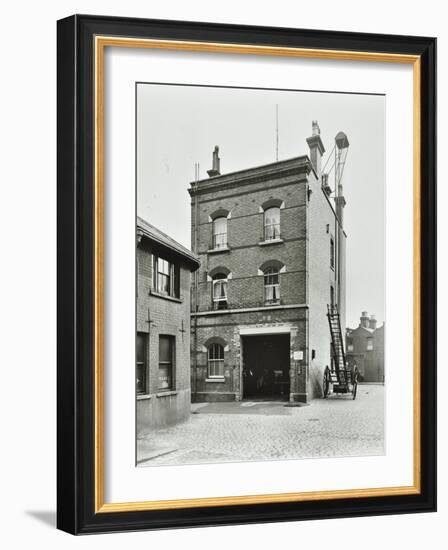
<point>248,310</point>
<point>291,167</point>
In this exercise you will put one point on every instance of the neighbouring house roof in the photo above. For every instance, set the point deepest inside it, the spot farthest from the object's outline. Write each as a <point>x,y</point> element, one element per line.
<point>154,234</point>
<point>351,332</point>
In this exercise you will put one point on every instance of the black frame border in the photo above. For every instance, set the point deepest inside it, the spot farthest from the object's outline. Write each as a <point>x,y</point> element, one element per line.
<point>76,263</point>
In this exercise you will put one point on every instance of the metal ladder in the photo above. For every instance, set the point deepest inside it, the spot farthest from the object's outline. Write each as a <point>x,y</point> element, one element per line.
<point>337,344</point>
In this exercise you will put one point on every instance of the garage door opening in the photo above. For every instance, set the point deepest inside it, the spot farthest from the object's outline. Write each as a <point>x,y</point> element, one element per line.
<point>266,367</point>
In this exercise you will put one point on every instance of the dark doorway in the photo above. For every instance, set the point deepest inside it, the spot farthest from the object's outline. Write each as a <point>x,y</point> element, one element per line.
<point>266,367</point>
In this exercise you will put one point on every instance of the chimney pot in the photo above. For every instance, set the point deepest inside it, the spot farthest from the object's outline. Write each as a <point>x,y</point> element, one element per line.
<point>365,319</point>
<point>215,170</point>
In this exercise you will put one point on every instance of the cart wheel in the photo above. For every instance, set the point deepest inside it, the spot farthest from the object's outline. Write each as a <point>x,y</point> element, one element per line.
<point>326,382</point>
<point>355,383</point>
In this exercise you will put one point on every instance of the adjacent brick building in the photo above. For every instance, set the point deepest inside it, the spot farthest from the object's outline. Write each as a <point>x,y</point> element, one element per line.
<point>163,329</point>
<point>272,252</point>
<point>365,347</point>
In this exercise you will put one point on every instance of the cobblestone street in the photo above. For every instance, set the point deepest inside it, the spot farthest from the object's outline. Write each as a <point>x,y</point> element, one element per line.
<point>234,432</point>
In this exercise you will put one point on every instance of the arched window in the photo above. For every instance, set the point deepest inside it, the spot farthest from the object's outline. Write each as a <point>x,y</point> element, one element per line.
<point>219,283</point>
<point>215,361</point>
<point>220,232</point>
<point>272,223</point>
<point>272,285</point>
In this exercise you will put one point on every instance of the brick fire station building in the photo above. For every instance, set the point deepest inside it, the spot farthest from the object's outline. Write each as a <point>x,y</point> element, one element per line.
<point>271,245</point>
<point>163,329</point>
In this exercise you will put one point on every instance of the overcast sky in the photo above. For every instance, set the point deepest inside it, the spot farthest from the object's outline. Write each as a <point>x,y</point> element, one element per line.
<point>178,126</point>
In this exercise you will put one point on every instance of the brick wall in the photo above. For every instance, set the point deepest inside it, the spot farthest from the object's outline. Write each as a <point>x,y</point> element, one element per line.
<point>322,229</point>
<point>245,233</point>
<point>227,326</point>
<point>245,288</point>
<point>161,316</point>
<point>305,280</point>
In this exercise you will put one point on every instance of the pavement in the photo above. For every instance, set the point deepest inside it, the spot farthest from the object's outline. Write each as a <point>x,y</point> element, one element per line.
<point>256,430</point>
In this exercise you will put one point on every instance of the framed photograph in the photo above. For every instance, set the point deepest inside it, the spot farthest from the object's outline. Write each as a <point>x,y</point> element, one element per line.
<point>246,274</point>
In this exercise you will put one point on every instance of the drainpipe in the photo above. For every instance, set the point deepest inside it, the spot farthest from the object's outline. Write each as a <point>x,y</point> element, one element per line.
<point>196,275</point>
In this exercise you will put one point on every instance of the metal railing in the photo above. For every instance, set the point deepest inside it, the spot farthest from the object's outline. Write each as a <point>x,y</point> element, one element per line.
<point>219,240</point>
<point>271,231</point>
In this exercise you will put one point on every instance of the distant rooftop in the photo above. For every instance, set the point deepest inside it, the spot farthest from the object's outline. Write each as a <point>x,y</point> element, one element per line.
<point>155,235</point>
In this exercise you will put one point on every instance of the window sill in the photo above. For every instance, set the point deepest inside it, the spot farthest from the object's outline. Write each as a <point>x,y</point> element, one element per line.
<point>143,396</point>
<point>270,241</point>
<point>166,393</point>
<point>218,250</point>
<point>217,379</point>
<point>164,297</point>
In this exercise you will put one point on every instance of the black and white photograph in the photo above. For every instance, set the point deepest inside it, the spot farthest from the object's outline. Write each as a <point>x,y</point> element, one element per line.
<point>260,274</point>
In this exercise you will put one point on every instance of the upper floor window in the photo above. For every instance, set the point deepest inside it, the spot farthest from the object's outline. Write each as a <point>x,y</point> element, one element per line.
<point>369,346</point>
<point>272,223</point>
<point>219,283</point>
<point>350,344</point>
<point>166,277</point>
<point>332,253</point>
<point>220,232</point>
<point>271,285</point>
<point>215,361</point>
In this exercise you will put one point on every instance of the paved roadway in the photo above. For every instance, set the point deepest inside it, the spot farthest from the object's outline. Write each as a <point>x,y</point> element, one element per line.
<point>235,432</point>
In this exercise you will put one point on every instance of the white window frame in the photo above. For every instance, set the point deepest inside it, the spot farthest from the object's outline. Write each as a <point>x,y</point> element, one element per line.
<point>274,236</point>
<point>215,361</point>
<point>271,272</point>
<point>216,245</point>
<point>222,282</point>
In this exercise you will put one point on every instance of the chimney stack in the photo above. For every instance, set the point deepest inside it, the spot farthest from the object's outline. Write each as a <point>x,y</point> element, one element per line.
<point>215,171</point>
<point>342,145</point>
<point>365,319</point>
<point>317,148</point>
<point>372,322</point>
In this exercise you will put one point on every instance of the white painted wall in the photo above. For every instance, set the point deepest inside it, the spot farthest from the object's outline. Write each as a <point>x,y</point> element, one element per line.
<point>27,287</point>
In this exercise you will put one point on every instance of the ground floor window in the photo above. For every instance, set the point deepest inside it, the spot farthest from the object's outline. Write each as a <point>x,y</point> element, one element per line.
<point>216,361</point>
<point>141,360</point>
<point>166,361</point>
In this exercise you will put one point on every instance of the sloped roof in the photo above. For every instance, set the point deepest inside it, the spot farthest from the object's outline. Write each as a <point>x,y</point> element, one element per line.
<point>154,234</point>
<point>360,328</point>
